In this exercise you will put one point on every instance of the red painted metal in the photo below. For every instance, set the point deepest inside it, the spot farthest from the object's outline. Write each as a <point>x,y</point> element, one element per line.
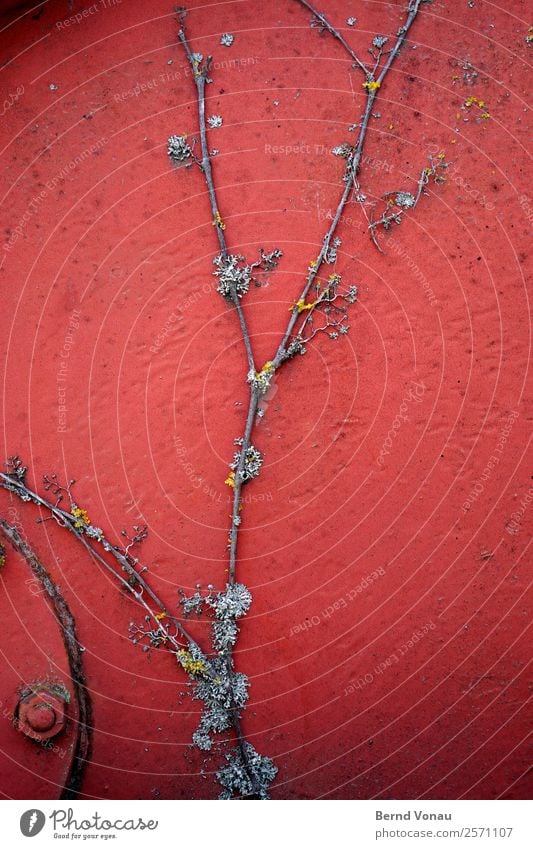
<point>387,644</point>
<point>40,713</point>
<point>33,764</point>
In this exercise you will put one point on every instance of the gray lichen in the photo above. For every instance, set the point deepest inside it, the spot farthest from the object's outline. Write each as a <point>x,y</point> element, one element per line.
<point>331,253</point>
<point>236,779</point>
<point>405,199</point>
<point>261,380</point>
<point>178,149</point>
<point>232,276</point>
<point>252,464</point>
<point>351,294</point>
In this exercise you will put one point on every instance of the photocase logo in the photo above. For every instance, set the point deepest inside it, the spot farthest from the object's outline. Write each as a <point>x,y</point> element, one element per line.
<point>32,822</point>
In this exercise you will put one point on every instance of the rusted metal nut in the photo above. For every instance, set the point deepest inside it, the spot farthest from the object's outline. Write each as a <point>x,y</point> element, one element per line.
<point>40,713</point>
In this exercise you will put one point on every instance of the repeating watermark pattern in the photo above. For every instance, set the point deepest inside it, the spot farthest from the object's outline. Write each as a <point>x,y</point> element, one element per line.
<point>513,525</point>
<point>177,315</point>
<point>494,459</point>
<point>62,374</point>
<point>197,481</point>
<point>9,714</point>
<point>11,99</point>
<point>329,215</point>
<point>369,677</point>
<point>33,584</point>
<point>301,149</point>
<point>416,391</point>
<point>526,207</point>
<point>454,174</point>
<point>37,200</point>
<point>88,12</point>
<point>341,603</point>
<point>419,275</point>
<point>165,77</point>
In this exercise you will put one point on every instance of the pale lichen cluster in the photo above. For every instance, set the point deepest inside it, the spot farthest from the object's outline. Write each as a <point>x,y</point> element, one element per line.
<point>253,460</point>
<point>252,778</point>
<point>233,277</point>
<point>179,149</point>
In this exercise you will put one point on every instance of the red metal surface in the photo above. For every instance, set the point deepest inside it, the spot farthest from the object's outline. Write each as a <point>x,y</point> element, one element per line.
<point>31,650</point>
<point>387,644</point>
<point>40,713</point>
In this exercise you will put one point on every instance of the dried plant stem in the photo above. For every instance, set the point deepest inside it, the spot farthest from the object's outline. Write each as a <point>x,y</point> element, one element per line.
<point>353,161</point>
<point>66,520</point>
<point>327,26</point>
<point>136,585</point>
<point>281,356</point>
<point>234,531</point>
<point>200,78</point>
<point>350,183</point>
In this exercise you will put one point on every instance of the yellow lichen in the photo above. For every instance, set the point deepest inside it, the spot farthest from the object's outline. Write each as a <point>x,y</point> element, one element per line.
<point>82,519</point>
<point>267,369</point>
<point>302,306</point>
<point>474,101</point>
<point>193,667</point>
<point>218,221</point>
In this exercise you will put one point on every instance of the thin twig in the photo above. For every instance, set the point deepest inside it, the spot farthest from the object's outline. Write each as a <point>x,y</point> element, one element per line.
<point>234,531</point>
<point>396,199</point>
<point>66,520</point>
<point>327,26</point>
<point>353,161</point>
<point>412,12</point>
<point>200,79</point>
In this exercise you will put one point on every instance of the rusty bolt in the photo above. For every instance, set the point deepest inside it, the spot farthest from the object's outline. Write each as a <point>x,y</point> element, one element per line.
<point>40,712</point>
<point>40,717</point>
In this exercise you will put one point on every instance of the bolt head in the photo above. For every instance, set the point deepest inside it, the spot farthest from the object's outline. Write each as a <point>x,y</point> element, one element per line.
<point>40,717</point>
<point>40,713</point>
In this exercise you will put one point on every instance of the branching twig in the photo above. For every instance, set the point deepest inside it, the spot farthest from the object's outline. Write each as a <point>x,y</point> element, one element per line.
<point>200,77</point>
<point>224,690</point>
<point>320,20</point>
<point>69,521</point>
<point>234,280</point>
<point>399,201</point>
<point>353,160</point>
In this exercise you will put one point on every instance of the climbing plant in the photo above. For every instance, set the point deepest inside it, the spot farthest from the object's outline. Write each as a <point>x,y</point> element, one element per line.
<point>320,307</point>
